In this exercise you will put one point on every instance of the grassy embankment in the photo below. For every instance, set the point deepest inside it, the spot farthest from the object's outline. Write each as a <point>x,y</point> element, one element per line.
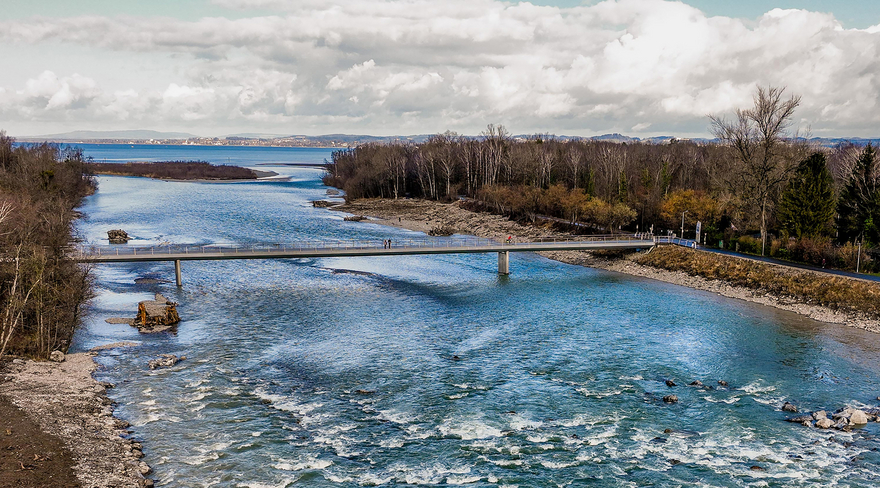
<point>174,170</point>
<point>836,293</point>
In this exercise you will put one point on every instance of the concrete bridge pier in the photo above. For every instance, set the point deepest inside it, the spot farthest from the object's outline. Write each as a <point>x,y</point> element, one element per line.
<point>504,263</point>
<point>177,272</point>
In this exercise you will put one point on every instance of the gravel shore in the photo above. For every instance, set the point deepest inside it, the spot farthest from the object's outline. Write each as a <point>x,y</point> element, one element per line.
<point>67,403</point>
<point>424,215</point>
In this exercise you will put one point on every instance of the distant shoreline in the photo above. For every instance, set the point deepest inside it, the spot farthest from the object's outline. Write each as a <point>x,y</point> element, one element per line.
<point>169,143</point>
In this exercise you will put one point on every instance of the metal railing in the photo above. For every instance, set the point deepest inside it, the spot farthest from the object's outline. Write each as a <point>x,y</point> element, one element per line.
<point>340,244</point>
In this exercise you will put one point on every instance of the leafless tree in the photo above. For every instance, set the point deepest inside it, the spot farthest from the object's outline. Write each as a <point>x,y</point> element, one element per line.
<point>757,136</point>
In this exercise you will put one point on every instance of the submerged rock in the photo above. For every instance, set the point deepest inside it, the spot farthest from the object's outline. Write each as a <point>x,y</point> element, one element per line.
<point>670,399</point>
<point>722,383</point>
<point>696,383</point>
<point>670,383</point>
<point>165,361</point>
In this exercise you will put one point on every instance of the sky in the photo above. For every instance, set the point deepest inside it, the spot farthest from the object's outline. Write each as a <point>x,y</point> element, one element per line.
<point>399,67</point>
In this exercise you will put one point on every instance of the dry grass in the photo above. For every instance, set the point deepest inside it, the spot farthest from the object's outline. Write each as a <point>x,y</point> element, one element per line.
<point>834,292</point>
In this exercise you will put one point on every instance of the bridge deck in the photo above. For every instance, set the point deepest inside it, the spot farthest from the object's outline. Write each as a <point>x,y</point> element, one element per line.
<point>351,248</point>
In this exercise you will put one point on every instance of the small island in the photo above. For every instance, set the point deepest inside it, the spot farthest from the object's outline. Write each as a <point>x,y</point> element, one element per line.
<point>179,170</point>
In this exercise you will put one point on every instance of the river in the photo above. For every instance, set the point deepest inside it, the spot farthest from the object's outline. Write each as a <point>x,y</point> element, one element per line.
<point>434,370</point>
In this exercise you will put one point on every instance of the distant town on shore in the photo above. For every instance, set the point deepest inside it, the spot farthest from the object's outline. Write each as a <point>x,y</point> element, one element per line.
<point>338,140</point>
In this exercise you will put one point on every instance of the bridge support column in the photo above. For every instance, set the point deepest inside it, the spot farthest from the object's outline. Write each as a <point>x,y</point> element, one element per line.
<point>504,263</point>
<point>177,272</point>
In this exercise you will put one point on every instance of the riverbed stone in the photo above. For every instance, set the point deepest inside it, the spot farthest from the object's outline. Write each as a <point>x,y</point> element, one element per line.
<point>164,361</point>
<point>858,417</point>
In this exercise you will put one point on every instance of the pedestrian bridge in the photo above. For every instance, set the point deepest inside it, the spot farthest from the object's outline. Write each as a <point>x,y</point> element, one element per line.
<point>374,247</point>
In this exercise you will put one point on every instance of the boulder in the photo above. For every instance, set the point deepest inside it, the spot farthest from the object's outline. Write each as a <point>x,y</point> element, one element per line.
<point>696,383</point>
<point>821,414</point>
<point>788,407</point>
<point>56,357</point>
<point>441,231</point>
<point>722,383</point>
<point>824,423</point>
<point>806,420</point>
<point>670,399</point>
<point>670,383</point>
<point>858,417</point>
<point>156,315</point>
<point>117,236</point>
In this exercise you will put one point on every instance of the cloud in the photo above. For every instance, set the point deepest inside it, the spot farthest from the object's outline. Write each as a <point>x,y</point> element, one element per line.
<point>393,66</point>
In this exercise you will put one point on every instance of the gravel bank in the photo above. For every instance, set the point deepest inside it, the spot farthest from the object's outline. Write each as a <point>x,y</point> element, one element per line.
<point>424,215</point>
<point>66,402</point>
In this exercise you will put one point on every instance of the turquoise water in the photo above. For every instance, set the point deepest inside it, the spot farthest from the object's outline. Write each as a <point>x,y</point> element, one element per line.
<point>435,371</point>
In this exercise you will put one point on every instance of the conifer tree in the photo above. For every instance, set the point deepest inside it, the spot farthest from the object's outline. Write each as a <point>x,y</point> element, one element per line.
<point>807,205</point>
<point>859,205</point>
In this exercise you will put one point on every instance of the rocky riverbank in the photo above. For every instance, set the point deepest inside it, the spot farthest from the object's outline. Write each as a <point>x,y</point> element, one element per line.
<point>75,424</point>
<point>425,215</point>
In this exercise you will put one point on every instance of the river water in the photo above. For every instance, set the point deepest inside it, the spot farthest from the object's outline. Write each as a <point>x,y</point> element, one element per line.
<point>436,371</point>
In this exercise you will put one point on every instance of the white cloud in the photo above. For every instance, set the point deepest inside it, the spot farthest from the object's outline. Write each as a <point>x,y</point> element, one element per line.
<point>393,66</point>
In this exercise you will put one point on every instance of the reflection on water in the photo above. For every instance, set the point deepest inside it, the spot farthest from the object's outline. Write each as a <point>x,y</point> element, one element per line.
<point>430,370</point>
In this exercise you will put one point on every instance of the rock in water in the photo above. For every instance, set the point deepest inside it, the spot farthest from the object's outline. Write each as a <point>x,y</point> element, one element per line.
<point>670,383</point>
<point>858,417</point>
<point>670,399</point>
<point>722,383</point>
<point>824,423</point>
<point>117,236</point>
<point>165,361</point>
<point>56,357</point>
<point>442,231</point>
<point>788,407</point>
<point>696,383</point>
<point>156,315</point>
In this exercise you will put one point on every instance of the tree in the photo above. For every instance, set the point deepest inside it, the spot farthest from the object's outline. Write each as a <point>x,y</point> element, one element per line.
<point>859,205</point>
<point>806,208</point>
<point>757,137</point>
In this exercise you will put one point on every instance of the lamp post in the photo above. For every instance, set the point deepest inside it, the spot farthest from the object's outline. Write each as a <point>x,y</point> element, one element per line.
<point>682,223</point>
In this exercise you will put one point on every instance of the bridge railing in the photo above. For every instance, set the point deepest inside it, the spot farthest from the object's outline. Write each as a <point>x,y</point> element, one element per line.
<point>342,244</point>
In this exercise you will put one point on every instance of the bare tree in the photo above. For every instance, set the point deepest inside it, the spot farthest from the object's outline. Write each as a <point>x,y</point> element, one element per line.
<point>757,136</point>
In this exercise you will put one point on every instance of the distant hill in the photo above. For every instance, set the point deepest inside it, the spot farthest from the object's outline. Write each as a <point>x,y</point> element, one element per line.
<point>349,140</point>
<point>78,135</point>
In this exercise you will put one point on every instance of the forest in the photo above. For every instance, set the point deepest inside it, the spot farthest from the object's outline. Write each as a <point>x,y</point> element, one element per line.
<point>42,291</point>
<point>757,188</point>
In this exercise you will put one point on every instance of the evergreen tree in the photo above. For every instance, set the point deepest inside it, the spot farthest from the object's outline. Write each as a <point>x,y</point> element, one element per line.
<point>807,205</point>
<point>859,206</point>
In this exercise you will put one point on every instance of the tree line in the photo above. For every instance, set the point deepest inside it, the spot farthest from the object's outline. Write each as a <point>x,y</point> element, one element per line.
<point>758,187</point>
<point>42,291</point>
